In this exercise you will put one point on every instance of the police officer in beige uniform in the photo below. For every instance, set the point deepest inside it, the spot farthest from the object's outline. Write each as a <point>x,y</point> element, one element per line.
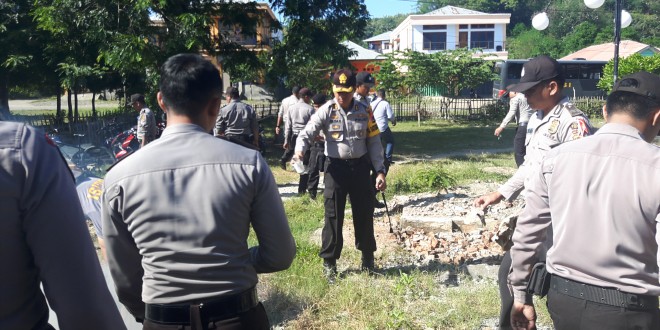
<point>237,120</point>
<point>179,246</point>
<point>521,111</point>
<point>146,126</point>
<point>556,121</point>
<point>352,145</point>
<point>600,197</point>
<point>298,117</point>
<point>282,115</point>
<point>44,240</point>
<point>316,155</point>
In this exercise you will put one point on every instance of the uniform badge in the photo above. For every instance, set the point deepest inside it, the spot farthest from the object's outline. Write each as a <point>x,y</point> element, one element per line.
<point>335,126</point>
<point>343,78</point>
<point>335,135</point>
<point>554,125</point>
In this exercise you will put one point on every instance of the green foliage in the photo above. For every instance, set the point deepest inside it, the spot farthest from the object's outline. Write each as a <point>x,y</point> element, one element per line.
<point>451,70</point>
<point>628,65</point>
<point>424,179</point>
<point>312,47</point>
<point>379,25</point>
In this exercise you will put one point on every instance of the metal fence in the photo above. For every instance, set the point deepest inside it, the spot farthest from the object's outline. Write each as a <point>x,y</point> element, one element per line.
<point>426,108</point>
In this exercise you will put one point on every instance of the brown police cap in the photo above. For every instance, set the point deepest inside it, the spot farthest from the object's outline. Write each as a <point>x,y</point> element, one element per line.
<point>343,81</point>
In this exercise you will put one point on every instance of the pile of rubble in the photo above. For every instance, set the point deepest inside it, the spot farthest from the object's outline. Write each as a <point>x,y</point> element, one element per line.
<point>446,228</point>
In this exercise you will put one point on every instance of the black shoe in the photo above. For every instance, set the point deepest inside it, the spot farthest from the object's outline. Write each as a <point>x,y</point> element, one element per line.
<point>283,165</point>
<point>312,195</point>
<point>330,269</point>
<point>368,262</point>
<point>378,204</point>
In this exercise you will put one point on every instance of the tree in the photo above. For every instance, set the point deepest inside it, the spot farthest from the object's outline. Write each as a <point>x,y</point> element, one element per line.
<point>376,26</point>
<point>312,47</point>
<point>631,64</point>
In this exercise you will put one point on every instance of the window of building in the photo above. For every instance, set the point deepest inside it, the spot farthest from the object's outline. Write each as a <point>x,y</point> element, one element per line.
<point>483,26</point>
<point>434,27</point>
<point>482,39</point>
<point>435,40</point>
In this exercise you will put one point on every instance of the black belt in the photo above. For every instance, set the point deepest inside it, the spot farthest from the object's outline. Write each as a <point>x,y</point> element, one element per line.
<point>602,295</point>
<point>210,310</point>
<point>522,124</point>
<point>348,162</point>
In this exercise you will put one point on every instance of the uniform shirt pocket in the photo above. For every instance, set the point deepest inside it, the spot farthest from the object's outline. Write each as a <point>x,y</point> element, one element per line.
<point>335,132</point>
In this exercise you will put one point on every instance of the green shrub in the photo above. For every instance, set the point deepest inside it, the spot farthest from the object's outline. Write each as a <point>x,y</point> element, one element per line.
<point>423,179</point>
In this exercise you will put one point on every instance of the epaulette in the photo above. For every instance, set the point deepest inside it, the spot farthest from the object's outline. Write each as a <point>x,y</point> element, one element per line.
<point>573,111</point>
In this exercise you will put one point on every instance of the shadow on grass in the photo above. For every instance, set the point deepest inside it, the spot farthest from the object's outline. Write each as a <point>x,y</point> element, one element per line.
<point>282,307</point>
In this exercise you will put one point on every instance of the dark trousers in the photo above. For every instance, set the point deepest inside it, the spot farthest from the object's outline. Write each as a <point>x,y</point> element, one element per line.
<point>316,161</point>
<point>352,179</point>
<point>506,299</point>
<point>254,318</point>
<point>387,138</point>
<point>519,147</point>
<point>569,313</point>
<point>304,178</point>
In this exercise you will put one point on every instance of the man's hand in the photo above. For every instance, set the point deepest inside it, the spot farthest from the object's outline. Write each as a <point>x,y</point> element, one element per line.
<point>277,130</point>
<point>498,131</point>
<point>380,182</point>
<point>523,317</point>
<point>393,122</point>
<point>285,146</point>
<point>485,200</point>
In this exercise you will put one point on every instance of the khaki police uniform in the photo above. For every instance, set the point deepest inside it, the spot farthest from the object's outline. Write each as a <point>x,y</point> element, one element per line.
<point>44,240</point>
<point>176,232</point>
<point>283,113</point>
<point>599,196</point>
<point>89,195</point>
<point>237,120</point>
<point>562,124</point>
<point>352,144</point>
<point>299,115</point>
<point>146,128</point>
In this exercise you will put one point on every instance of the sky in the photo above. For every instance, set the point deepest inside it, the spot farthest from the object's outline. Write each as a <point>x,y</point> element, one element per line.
<point>380,8</point>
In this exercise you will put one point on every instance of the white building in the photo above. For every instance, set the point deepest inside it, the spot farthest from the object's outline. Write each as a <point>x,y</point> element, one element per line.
<point>450,28</point>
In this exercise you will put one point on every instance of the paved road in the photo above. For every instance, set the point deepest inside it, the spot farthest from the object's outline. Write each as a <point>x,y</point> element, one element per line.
<point>129,320</point>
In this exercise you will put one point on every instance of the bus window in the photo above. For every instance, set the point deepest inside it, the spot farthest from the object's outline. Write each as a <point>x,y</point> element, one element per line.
<point>591,71</point>
<point>571,71</point>
<point>514,70</point>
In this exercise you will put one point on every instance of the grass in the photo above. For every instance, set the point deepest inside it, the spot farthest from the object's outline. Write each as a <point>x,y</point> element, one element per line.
<point>405,297</point>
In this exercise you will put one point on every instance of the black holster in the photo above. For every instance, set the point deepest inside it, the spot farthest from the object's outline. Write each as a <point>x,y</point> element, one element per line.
<point>539,280</point>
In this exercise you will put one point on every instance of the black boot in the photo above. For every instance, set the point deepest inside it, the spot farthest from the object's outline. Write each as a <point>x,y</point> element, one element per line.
<point>330,269</point>
<point>368,261</point>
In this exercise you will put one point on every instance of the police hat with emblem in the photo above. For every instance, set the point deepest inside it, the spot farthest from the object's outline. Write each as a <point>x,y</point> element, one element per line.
<point>365,78</point>
<point>343,81</point>
<point>536,70</point>
<point>641,83</point>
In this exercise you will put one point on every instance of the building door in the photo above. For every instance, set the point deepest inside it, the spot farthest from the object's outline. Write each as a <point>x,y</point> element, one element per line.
<point>462,39</point>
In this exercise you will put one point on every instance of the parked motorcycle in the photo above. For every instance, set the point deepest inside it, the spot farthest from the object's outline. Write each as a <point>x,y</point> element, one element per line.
<point>124,143</point>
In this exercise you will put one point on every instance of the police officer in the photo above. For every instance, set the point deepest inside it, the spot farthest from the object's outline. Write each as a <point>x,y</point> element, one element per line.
<point>352,145</point>
<point>146,126</point>
<point>297,118</point>
<point>556,121</point>
<point>364,82</point>
<point>599,197</point>
<point>519,109</point>
<point>178,251</point>
<point>316,155</point>
<point>237,120</point>
<point>44,239</point>
<point>384,115</point>
<point>282,115</point>
<point>89,195</point>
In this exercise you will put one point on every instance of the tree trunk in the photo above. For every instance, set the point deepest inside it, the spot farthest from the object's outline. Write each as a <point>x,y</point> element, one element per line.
<point>94,104</point>
<point>70,109</point>
<point>75,105</point>
<point>4,95</point>
<point>58,111</point>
